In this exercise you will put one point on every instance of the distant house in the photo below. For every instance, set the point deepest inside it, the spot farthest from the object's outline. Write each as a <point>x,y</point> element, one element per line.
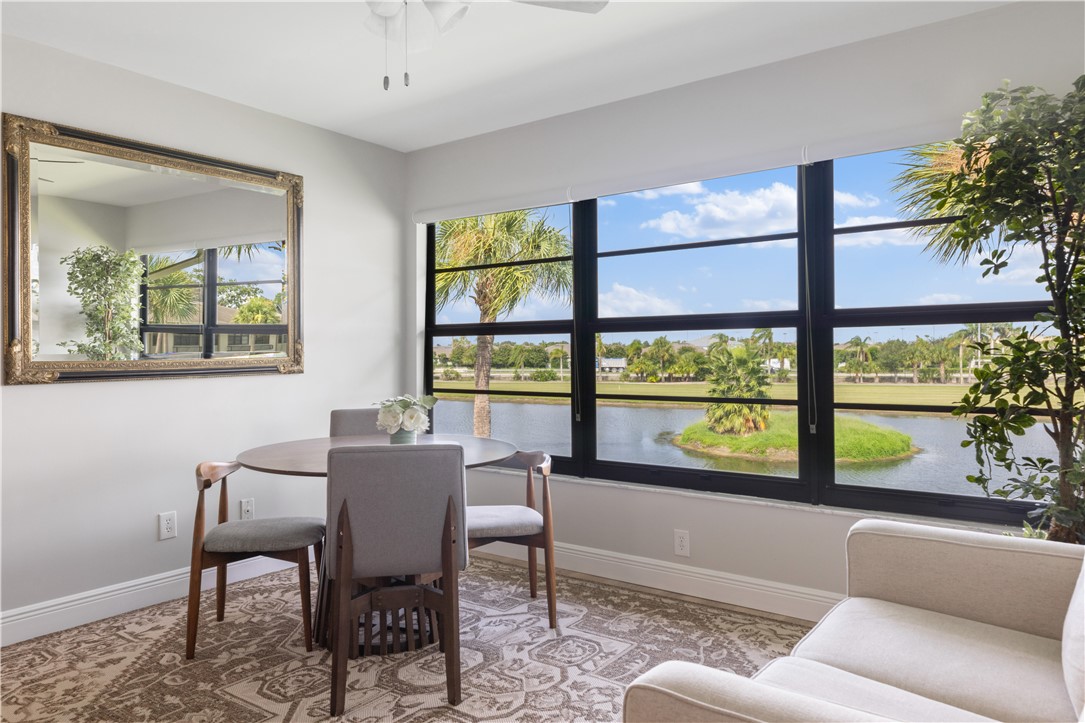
<point>611,364</point>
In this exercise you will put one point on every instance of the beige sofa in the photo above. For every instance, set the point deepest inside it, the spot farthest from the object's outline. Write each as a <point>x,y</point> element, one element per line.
<point>938,625</point>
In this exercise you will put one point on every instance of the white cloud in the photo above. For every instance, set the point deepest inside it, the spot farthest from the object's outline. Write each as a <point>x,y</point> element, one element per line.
<point>891,237</point>
<point>607,202</point>
<point>942,298</point>
<point>850,200</point>
<point>769,304</point>
<point>705,271</point>
<point>683,189</point>
<point>687,289</point>
<point>627,301</point>
<point>733,214</point>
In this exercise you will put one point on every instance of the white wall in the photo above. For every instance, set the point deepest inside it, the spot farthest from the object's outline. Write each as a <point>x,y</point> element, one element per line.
<point>65,224</point>
<point>226,217</point>
<point>906,88</point>
<point>87,467</point>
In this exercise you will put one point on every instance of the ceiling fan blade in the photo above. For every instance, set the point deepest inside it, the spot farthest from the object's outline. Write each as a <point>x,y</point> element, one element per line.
<point>46,160</point>
<point>47,180</point>
<point>581,6</point>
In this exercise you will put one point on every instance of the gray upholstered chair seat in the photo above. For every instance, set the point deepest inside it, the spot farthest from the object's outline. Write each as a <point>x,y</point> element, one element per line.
<point>268,535</point>
<point>502,521</point>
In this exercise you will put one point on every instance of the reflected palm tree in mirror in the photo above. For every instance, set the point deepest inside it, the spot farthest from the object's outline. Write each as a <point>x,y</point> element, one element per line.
<point>172,294</point>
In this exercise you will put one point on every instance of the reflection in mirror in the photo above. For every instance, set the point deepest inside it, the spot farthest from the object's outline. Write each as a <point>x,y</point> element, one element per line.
<point>128,259</point>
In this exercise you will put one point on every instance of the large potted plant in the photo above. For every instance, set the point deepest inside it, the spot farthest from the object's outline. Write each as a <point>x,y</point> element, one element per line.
<point>106,283</point>
<point>1015,179</point>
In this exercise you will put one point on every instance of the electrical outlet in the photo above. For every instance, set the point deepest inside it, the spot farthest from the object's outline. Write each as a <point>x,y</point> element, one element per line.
<point>681,543</point>
<point>248,508</point>
<point>167,525</point>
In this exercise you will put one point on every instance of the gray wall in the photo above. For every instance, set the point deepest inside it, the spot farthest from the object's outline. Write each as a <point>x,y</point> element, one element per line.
<point>910,87</point>
<point>87,467</point>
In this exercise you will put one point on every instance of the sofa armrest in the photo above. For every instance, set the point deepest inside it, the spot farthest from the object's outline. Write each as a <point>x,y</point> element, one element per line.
<point>681,691</point>
<point>1016,583</point>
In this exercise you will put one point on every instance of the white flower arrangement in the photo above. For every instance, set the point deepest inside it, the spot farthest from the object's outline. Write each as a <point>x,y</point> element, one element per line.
<point>405,412</point>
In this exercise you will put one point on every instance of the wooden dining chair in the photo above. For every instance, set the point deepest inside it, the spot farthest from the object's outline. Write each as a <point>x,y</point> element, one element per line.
<point>283,538</point>
<point>354,422</point>
<point>395,515</point>
<point>522,525</point>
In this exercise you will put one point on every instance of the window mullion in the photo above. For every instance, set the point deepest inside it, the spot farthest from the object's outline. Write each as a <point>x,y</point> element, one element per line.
<point>816,441</point>
<point>585,320</point>
<point>210,301</point>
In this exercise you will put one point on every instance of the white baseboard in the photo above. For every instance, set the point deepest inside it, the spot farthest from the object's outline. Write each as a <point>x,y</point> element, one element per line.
<point>85,607</point>
<point>774,597</point>
<point>749,592</point>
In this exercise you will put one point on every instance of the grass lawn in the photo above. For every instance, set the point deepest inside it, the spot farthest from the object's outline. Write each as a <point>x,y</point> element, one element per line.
<point>856,440</point>
<point>934,394</point>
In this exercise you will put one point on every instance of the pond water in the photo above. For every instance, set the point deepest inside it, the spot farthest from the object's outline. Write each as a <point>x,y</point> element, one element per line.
<point>645,434</point>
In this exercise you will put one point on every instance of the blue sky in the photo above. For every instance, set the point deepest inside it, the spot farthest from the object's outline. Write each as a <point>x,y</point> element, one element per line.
<point>264,264</point>
<point>888,268</point>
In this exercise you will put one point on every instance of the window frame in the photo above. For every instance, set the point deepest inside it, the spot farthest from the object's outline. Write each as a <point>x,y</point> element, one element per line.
<point>208,327</point>
<point>814,320</point>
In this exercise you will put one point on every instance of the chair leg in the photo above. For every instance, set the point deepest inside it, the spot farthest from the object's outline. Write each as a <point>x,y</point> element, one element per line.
<point>451,637</point>
<point>194,579</point>
<point>342,620</point>
<point>318,553</point>
<point>306,601</point>
<point>532,572</point>
<point>551,584</point>
<point>220,593</point>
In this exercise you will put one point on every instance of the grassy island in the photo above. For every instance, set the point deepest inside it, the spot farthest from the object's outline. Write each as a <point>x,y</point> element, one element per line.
<point>856,441</point>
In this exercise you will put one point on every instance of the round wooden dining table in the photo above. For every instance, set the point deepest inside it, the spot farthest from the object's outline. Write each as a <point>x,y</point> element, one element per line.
<point>309,457</point>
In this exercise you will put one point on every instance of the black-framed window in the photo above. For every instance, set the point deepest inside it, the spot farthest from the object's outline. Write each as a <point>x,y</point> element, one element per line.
<point>214,302</point>
<point>780,307</point>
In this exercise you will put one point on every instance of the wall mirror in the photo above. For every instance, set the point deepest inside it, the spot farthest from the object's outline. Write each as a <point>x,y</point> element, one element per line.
<point>124,260</point>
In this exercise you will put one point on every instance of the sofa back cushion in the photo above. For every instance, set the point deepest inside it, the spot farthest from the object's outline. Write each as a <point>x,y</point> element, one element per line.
<point>1073,646</point>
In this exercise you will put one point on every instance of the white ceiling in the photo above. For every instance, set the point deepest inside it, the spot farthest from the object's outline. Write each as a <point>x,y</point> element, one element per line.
<point>505,64</point>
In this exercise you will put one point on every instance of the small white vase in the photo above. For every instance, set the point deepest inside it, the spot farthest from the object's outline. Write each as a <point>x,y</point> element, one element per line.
<point>403,437</point>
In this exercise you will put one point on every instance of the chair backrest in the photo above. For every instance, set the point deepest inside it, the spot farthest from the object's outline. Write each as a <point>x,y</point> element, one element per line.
<point>354,422</point>
<point>528,460</point>
<point>397,497</point>
<point>208,474</point>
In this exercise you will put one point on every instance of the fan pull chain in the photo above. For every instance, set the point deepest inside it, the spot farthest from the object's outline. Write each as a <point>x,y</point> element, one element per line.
<point>406,75</point>
<point>386,55</point>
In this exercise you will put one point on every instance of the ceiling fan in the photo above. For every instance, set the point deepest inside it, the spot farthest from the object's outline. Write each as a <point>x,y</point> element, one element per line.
<point>46,160</point>
<point>417,23</point>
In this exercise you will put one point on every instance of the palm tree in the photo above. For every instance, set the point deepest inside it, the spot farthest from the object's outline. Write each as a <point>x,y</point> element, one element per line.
<point>168,301</point>
<point>767,346</point>
<point>600,352</point>
<point>518,357</point>
<point>661,351</point>
<point>478,241</point>
<point>736,373</point>
<point>918,355</point>
<point>860,344</point>
<point>559,354</point>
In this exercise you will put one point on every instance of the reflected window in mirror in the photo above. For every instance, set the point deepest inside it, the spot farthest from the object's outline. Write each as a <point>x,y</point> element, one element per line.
<point>127,260</point>
<point>194,301</point>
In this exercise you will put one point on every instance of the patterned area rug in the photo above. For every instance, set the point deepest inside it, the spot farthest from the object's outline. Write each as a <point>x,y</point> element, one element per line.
<point>253,667</point>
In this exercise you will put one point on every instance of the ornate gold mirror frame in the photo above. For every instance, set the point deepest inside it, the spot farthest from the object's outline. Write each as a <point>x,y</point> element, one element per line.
<point>156,200</point>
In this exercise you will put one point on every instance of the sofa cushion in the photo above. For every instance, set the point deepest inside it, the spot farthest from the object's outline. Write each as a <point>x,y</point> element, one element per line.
<point>992,671</point>
<point>837,686</point>
<point>1073,646</point>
